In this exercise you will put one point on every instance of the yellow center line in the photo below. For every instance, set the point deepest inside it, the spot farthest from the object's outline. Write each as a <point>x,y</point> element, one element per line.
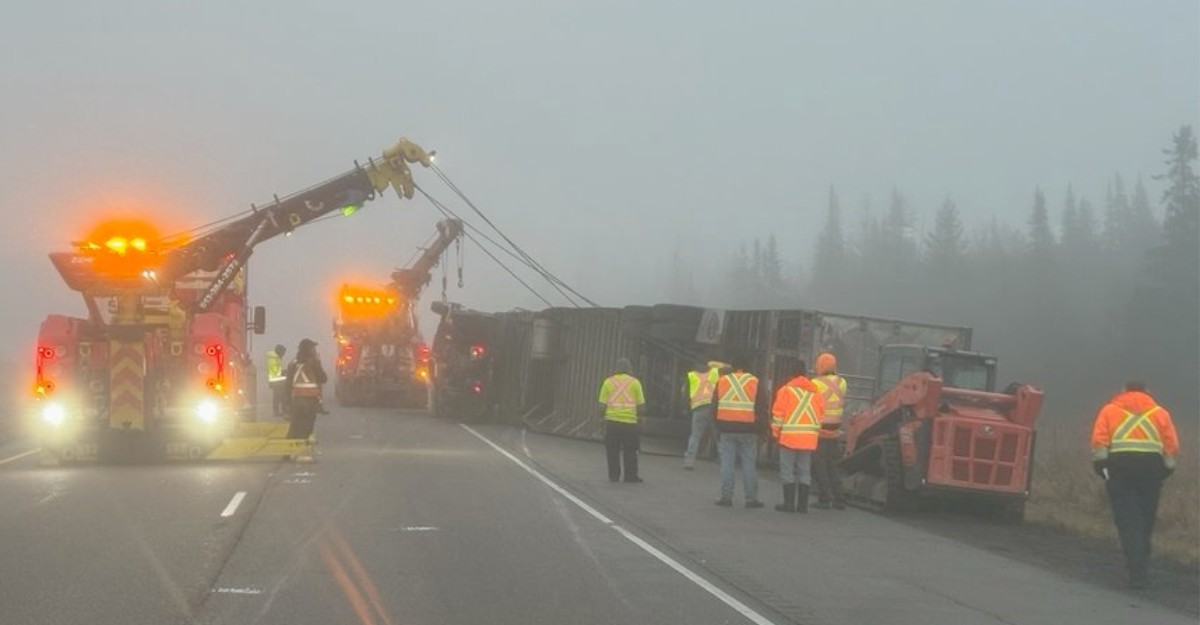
<point>20,455</point>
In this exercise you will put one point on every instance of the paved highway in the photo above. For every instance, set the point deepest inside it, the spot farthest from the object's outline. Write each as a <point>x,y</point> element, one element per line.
<point>405,519</point>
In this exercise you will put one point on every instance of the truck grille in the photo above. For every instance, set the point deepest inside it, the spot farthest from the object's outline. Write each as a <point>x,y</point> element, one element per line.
<point>979,454</point>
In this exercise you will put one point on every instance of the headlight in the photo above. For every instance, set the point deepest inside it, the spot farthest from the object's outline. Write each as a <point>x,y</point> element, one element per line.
<point>54,414</point>
<point>207,411</point>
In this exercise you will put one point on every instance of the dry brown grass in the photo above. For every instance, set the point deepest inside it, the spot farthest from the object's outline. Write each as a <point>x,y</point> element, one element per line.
<point>1066,494</point>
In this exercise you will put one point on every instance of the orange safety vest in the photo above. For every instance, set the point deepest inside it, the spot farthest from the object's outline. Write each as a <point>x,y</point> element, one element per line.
<point>796,415</point>
<point>1133,422</point>
<point>702,387</point>
<point>736,392</point>
<point>303,385</point>
<point>833,390</point>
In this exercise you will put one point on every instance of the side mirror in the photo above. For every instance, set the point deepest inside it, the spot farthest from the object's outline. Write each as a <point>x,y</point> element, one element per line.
<point>439,308</point>
<point>260,320</point>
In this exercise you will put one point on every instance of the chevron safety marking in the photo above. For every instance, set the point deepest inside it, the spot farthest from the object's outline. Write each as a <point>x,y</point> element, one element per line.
<point>127,372</point>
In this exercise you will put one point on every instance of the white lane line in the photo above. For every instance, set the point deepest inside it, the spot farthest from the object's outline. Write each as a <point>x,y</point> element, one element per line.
<point>729,600</point>
<point>555,487</point>
<point>20,455</point>
<point>248,590</point>
<point>415,528</point>
<point>234,503</point>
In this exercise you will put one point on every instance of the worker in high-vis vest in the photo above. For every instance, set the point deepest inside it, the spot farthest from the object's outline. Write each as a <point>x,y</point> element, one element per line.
<point>701,390</point>
<point>622,403</point>
<point>796,426</point>
<point>306,376</point>
<point>277,381</point>
<point>829,449</point>
<point>1134,447</point>
<point>738,428</point>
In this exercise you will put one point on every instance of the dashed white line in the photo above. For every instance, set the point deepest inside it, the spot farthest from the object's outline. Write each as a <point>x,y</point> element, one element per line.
<point>233,504</point>
<point>729,600</point>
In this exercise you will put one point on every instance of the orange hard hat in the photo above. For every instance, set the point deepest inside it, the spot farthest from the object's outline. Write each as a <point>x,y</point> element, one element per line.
<point>826,363</point>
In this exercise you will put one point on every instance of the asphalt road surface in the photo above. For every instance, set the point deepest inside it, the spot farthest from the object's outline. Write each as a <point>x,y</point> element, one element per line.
<point>405,519</point>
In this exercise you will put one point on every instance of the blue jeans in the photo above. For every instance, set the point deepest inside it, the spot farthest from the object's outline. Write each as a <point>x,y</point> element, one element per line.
<point>795,466</point>
<point>702,421</point>
<point>743,446</point>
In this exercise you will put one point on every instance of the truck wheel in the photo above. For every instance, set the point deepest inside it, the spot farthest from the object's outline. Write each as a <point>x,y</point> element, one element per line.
<point>899,499</point>
<point>674,331</point>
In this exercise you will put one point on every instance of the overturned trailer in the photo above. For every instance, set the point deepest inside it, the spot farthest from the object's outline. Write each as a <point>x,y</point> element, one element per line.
<point>545,368</point>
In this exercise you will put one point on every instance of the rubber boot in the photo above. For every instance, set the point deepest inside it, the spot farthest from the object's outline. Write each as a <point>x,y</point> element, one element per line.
<point>802,498</point>
<point>789,499</point>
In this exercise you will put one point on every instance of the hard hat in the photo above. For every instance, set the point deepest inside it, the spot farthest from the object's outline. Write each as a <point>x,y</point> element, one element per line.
<point>826,363</point>
<point>717,364</point>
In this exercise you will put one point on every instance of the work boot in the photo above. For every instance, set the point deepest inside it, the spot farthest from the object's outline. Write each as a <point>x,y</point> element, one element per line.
<point>789,499</point>
<point>725,502</point>
<point>753,503</point>
<point>838,504</point>
<point>634,480</point>
<point>1137,579</point>
<point>802,498</point>
<point>689,465</point>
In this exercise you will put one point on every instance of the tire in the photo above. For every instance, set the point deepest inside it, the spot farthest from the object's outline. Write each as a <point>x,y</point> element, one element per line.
<point>674,332</point>
<point>899,500</point>
<point>675,313</point>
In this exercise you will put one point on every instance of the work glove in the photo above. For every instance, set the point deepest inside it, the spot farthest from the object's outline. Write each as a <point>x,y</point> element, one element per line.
<point>1099,467</point>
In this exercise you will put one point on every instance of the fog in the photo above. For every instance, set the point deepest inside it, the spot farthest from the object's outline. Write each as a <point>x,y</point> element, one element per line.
<point>633,148</point>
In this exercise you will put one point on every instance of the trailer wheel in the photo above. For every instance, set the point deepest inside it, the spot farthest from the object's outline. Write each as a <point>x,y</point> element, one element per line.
<point>899,499</point>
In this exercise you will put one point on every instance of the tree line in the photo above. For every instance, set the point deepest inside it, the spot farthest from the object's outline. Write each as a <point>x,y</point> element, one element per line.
<point>1077,297</point>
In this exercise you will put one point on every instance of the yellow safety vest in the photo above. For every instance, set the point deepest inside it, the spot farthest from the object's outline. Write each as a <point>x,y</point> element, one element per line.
<point>701,388</point>
<point>274,367</point>
<point>621,393</point>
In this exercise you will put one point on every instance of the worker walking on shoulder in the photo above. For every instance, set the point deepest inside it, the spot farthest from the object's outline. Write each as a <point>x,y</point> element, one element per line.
<point>702,385</point>
<point>306,376</point>
<point>622,402</point>
<point>738,428</point>
<point>277,381</point>
<point>832,388</point>
<point>796,426</point>
<point>1134,446</point>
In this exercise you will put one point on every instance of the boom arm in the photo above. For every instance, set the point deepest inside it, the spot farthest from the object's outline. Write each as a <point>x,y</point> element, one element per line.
<point>228,248</point>
<point>410,280</point>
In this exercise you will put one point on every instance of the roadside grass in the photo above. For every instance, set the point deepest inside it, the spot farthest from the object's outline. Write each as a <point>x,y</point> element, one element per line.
<point>1066,494</point>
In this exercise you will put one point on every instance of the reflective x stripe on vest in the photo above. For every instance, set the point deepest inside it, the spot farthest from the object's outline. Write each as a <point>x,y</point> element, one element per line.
<point>701,389</point>
<point>1123,439</point>
<point>736,404</point>
<point>833,389</point>
<point>302,385</point>
<point>621,404</point>
<point>803,419</point>
<point>622,395</point>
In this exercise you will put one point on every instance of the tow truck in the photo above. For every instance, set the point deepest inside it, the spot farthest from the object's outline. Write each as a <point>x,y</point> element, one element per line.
<point>160,366</point>
<point>382,359</point>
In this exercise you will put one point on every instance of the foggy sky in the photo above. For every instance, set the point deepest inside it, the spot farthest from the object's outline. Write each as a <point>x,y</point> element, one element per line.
<point>601,135</point>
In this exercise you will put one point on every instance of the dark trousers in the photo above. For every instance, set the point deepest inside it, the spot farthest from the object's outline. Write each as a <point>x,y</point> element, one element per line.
<point>1134,500</point>
<point>304,417</point>
<point>279,399</point>
<point>825,471</point>
<point>621,440</point>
